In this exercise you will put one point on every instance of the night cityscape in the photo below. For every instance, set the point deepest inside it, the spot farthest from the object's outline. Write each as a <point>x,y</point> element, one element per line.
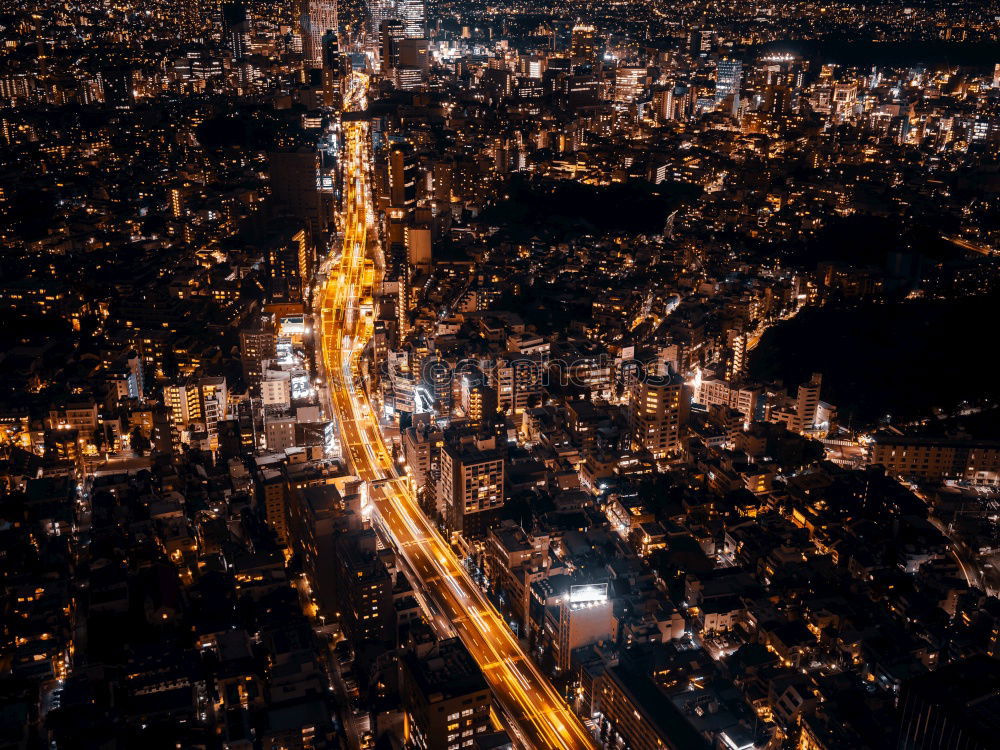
<point>447,375</point>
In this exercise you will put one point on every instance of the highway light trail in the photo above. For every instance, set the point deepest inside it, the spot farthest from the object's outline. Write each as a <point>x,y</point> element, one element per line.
<point>539,716</point>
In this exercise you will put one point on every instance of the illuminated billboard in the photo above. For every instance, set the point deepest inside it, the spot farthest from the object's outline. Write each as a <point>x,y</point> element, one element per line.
<point>588,592</point>
<point>293,325</point>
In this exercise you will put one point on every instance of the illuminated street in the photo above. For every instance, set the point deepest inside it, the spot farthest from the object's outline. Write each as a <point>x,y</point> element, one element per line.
<point>499,376</point>
<point>539,717</point>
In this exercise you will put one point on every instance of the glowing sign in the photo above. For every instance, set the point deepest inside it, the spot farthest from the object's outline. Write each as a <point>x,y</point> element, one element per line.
<point>293,324</point>
<point>589,592</point>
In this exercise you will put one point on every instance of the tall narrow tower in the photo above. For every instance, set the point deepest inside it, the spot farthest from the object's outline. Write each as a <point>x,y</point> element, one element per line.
<point>318,17</point>
<point>412,14</point>
<point>583,44</point>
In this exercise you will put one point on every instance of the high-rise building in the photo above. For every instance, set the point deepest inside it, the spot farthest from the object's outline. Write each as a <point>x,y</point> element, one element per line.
<point>258,341</point>
<point>479,401</point>
<point>635,710</point>
<point>806,404</point>
<point>335,67</point>
<point>663,104</point>
<point>583,44</point>
<point>272,488</point>
<point>418,252</point>
<point>728,77</point>
<point>391,31</point>
<point>413,15</point>
<point>436,382</point>
<point>414,53</point>
<point>518,383</point>
<point>660,405</point>
<point>184,402</point>
<point>532,66</point>
<point>702,41</point>
<point>295,186</point>
<point>380,12</point>
<point>408,77</point>
<point>629,83</point>
<point>471,489</point>
<point>446,701</point>
<point>363,589</point>
<point>422,445</point>
<point>236,28</point>
<point>197,403</point>
<point>317,517</point>
<point>584,618</point>
<point>318,17</point>
<point>403,179</point>
<point>289,253</point>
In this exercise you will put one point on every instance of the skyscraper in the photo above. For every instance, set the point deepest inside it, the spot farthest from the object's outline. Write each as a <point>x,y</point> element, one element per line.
<point>413,16</point>
<point>629,83</point>
<point>236,28</point>
<point>318,17</point>
<point>334,67</point>
<point>583,44</point>
<point>391,32</point>
<point>403,168</point>
<point>729,76</point>
<point>294,186</point>
<point>381,11</point>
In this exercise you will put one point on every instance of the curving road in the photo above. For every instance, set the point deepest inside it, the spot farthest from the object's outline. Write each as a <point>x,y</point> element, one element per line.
<point>535,713</point>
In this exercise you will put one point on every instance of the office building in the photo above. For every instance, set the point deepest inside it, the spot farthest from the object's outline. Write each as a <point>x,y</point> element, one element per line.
<point>414,52</point>
<point>583,44</point>
<point>729,76</point>
<point>584,617</point>
<point>363,589</point>
<point>295,187</point>
<point>381,12</point>
<point>445,698</point>
<point>391,32</point>
<point>236,28</point>
<point>403,170</point>
<point>630,83</point>
<point>935,459</point>
<point>658,413</point>
<point>412,13</point>
<point>318,17</point>
<point>807,404</point>
<point>258,342</point>
<point>318,516</point>
<point>471,487</point>
<point>418,247</point>
<point>422,444</point>
<point>637,714</point>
